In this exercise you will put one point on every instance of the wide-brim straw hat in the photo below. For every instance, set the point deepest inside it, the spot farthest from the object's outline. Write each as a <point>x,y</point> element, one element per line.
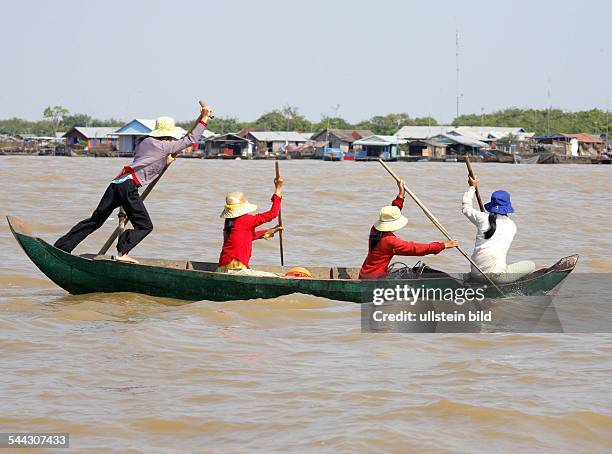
<point>166,127</point>
<point>390,219</point>
<point>236,205</point>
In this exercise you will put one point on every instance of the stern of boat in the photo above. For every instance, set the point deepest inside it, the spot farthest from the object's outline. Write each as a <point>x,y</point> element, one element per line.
<point>566,263</point>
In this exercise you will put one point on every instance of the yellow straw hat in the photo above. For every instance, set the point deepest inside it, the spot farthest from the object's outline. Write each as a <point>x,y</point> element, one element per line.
<point>298,271</point>
<point>165,127</point>
<point>236,205</point>
<point>390,219</point>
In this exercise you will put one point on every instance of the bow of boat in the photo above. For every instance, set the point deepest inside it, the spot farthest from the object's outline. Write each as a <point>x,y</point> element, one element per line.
<point>17,226</point>
<point>48,259</point>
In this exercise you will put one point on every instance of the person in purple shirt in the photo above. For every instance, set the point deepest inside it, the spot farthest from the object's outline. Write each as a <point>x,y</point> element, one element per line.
<point>151,156</point>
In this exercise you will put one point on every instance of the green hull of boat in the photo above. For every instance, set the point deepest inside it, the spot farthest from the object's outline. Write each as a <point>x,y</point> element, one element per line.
<point>195,281</point>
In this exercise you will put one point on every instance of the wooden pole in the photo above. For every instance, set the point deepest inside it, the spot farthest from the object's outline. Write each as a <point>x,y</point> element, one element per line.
<point>122,216</point>
<point>471,174</point>
<point>440,227</point>
<point>280,221</point>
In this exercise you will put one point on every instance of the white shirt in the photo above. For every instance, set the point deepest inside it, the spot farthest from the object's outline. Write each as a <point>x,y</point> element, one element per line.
<point>489,255</point>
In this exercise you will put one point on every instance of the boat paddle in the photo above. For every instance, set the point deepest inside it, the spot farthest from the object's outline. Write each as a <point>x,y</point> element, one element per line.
<point>435,222</point>
<point>280,221</point>
<point>471,174</point>
<point>122,216</point>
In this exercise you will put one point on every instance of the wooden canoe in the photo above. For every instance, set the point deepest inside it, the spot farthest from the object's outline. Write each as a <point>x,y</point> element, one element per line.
<point>195,281</point>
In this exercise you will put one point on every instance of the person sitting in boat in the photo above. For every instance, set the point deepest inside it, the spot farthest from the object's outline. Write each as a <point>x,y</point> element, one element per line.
<point>495,232</point>
<point>383,243</point>
<point>151,156</point>
<point>239,231</point>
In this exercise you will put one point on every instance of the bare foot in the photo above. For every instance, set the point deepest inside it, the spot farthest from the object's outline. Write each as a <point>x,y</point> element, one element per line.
<point>125,258</point>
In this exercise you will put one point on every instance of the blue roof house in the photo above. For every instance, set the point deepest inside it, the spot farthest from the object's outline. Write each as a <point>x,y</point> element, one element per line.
<point>377,146</point>
<point>131,133</point>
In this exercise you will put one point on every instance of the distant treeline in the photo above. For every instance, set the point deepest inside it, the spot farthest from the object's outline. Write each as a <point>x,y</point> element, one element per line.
<point>289,119</point>
<point>47,127</point>
<point>541,121</point>
<point>547,121</point>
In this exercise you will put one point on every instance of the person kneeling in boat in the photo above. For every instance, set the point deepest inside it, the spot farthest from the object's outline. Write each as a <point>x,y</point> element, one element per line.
<point>151,157</point>
<point>383,243</point>
<point>495,232</point>
<point>239,231</point>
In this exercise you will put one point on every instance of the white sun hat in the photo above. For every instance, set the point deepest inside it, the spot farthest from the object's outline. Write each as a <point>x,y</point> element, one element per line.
<point>236,205</point>
<point>390,219</point>
<point>166,127</point>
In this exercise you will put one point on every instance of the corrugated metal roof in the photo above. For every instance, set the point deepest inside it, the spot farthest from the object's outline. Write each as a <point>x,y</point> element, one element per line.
<point>137,126</point>
<point>583,137</point>
<point>148,122</point>
<point>346,135</point>
<point>460,139</point>
<point>207,134</point>
<point>483,133</point>
<point>148,125</point>
<point>379,140</point>
<point>432,142</point>
<point>230,137</point>
<point>421,132</point>
<point>278,136</point>
<point>483,130</point>
<point>475,132</point>
<point>95,132</point>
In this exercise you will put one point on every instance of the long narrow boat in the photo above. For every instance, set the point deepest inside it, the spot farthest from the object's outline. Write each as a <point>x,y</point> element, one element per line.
<point>195,281</point>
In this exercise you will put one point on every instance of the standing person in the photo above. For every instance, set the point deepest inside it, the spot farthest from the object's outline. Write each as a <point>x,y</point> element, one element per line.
<point>239,231</point>
<point>383,243</point>
<point>495,232</point>
<point>151,156</point>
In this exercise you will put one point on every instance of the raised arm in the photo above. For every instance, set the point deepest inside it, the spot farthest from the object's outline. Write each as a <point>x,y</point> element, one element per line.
<point>267,216</point>
<point>173,147</point>
<point>476,217</point>
<point>399,200</point>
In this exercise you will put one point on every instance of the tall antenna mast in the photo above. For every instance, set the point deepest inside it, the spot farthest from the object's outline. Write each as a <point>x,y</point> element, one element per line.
<point>607,127</point>
<point>548,108</point>
<point>457,58</point>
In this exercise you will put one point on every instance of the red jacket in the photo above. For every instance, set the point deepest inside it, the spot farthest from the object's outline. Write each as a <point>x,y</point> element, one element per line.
<point>378,259</point>
<point>239,245</point>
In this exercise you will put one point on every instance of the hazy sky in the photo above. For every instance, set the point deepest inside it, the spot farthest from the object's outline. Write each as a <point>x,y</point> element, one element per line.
<point>126,59</point>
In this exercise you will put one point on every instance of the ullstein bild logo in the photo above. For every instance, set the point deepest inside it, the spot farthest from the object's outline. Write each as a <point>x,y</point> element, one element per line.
<point>411,295</point>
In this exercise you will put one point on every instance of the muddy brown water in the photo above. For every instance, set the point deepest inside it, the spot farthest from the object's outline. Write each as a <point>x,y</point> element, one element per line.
<point>128,373</point>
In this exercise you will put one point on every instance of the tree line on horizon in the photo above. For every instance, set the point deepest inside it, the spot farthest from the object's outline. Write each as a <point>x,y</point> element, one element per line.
<point>288,118</point>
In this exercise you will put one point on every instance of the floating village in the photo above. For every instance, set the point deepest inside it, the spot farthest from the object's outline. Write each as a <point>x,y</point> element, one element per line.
<point>409,143</point>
